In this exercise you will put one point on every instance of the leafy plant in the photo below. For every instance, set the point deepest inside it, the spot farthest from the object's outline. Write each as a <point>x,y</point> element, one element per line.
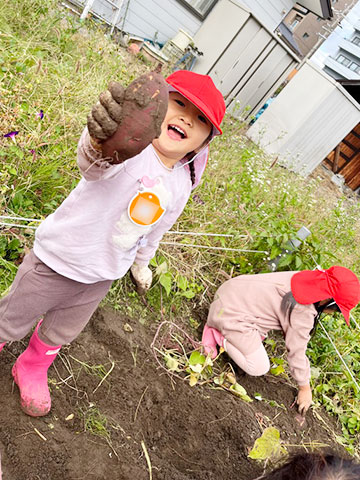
<point>268,446</point>
<point>95,422</point>
<point>199,368</point>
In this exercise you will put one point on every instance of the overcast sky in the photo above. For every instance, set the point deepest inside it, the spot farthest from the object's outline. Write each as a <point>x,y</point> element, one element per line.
<point>330,45</point>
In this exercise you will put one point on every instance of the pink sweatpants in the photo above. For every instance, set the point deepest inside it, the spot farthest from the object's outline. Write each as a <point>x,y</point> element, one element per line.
<point>241,342</point>
<point>66,305</point>
<point>255,363</point>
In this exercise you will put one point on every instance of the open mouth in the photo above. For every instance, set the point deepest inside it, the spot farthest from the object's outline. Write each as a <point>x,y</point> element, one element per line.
<point>176,133</point>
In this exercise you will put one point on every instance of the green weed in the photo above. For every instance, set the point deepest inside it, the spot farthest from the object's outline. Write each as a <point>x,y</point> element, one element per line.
<point>95,422</point>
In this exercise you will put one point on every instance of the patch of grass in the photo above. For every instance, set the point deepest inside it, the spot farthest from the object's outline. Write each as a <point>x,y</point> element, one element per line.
<point>95,422</point>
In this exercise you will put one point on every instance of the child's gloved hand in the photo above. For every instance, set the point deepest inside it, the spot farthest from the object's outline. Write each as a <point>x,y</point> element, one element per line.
<point>304,399</point>
<point>124,122</point>
<point>141,277</point>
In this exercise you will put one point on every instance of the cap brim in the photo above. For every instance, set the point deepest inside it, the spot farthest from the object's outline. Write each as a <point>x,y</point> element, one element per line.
<point>345,312</point>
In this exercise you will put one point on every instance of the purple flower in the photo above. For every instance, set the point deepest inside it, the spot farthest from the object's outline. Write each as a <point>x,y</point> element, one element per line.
<point>11,135</point>
<point>40,114</point>
<point>32,151</point>
<point>197,199</point>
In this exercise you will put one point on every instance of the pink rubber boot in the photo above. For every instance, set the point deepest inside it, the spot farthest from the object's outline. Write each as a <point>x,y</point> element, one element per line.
<point>211,338</point>
<point>30,375</point>
<point>2,346</point>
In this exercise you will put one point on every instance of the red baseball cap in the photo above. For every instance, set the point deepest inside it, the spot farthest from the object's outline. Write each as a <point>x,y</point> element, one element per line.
<point>201,91</point>
<point>339,283</point>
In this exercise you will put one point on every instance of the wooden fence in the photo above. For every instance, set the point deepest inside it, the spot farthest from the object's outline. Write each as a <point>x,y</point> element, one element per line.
<point>345,158</point>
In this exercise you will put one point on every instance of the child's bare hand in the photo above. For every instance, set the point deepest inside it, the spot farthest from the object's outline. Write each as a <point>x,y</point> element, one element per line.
<point>126,122</point>
<point>304,399</point>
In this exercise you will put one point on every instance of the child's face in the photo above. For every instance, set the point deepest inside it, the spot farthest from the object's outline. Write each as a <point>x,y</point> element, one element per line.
<point>185,129</point>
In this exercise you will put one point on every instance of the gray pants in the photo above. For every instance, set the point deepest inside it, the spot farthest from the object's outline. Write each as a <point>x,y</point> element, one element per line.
<point>38,291</point>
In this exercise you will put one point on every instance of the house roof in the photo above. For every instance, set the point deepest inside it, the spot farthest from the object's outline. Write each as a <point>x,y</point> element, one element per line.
<point>321,8</point>
<point>287,36</point>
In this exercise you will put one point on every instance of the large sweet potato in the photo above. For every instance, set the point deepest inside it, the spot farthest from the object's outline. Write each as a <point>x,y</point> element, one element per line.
<point>139,113</point>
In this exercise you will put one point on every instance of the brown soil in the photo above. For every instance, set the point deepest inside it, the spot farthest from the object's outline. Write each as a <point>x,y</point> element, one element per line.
<point>188,432</point>
<point>324,174</point>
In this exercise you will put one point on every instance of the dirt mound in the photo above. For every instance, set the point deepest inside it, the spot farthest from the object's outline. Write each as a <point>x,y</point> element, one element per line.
<point>137,411</point>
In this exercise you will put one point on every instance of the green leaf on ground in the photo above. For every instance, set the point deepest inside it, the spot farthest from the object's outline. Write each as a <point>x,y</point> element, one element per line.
<point>268,446</point>
<point>240,391</point>
<point>165,281</point>
<point>277,370</point>
<point>171,363</point>
<point>196,357</point>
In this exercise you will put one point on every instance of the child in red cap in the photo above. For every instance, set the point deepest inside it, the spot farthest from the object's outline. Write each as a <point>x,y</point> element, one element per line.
<point>115,217</point>
<point>247,307</point>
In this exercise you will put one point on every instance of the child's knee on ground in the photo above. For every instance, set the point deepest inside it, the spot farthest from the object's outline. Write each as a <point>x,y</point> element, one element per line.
<point>256,363</point>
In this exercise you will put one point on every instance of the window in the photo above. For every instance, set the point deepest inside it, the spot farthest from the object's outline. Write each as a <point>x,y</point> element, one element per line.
<point>353,66</point>
<point>306,35</point>
<point>296,21</point>
<point>356,40</point>
<point>343,60</point>
<point>201,8</point>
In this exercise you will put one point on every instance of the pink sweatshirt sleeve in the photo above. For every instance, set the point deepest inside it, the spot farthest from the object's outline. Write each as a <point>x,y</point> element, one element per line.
<point>90,162</point>
<point>145,254</point>
<point>297,336</point>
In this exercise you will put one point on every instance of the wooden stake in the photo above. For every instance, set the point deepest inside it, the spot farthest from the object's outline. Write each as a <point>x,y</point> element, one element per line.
<point>336,159</point>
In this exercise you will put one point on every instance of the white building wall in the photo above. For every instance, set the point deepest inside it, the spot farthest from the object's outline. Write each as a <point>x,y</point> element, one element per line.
<point>157,20</point>
<point>246,60</point>
<point>226,30</point>
<point>351,52</point>
<point>339,71</point>
<point>306,121</point>
<point>268,12</point>
<point>350,47</point>
<point>160,18</point>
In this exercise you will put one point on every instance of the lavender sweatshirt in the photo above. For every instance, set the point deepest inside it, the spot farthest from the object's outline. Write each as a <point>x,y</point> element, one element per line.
<point>253,302</point>
<point>90,238</point>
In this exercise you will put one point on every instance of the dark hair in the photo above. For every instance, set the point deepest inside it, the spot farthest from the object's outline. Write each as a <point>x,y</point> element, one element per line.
<point>315,466</point>
<point>288,303</point>
<point>330,305</point>
<point>191,166</point>
<point>192,172</point>
<point>192,154</point>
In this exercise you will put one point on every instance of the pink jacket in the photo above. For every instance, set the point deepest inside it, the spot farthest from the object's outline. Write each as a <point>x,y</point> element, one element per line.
<point>90,237</point>
<point>253,302</point>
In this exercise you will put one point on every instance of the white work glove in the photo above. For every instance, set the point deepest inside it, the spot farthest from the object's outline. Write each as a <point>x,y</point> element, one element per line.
<point>304,399</point>
<point>142,277</point>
